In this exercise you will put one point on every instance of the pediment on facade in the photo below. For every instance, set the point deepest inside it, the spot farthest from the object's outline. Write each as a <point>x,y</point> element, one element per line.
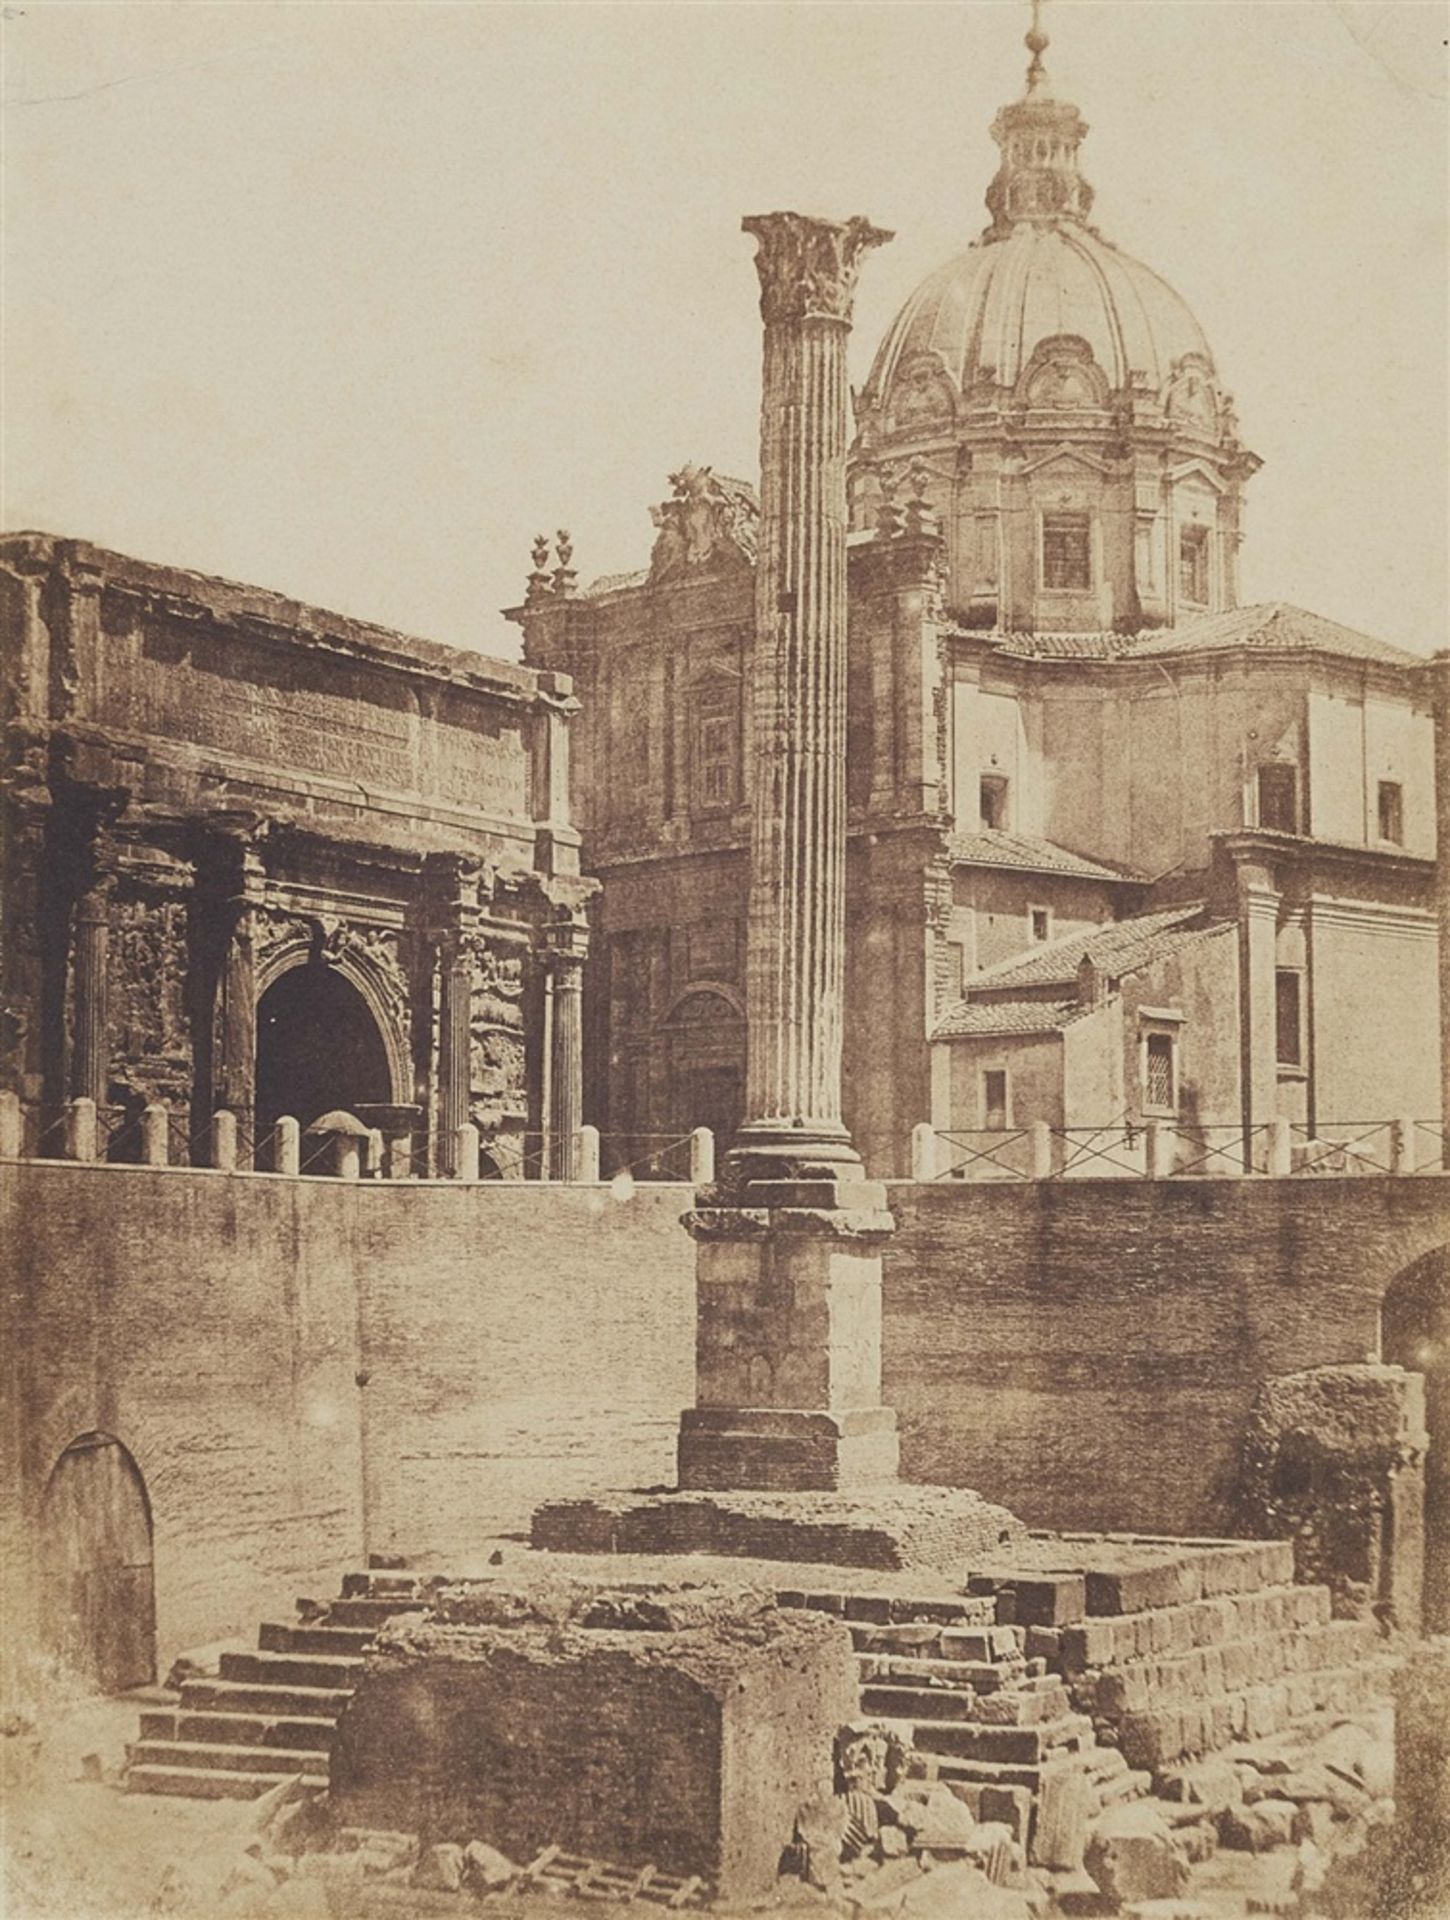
<point>922,393</point>
<point>1066,460</point>
<point>1062,375</point>
<point>1188,471</point>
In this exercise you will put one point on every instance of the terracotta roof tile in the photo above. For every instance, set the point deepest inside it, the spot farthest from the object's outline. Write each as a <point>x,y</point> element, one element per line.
<point>967,1020</point>
<point>994,847</point>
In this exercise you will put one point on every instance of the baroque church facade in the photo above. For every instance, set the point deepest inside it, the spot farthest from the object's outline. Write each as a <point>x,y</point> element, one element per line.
<point>1120,849</point>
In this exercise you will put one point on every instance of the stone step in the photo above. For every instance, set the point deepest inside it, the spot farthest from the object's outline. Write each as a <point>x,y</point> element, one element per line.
<point>240,1729</point>
<point>196,1783</point>
<point>894,1609</point>
<point>376,1585</point>
<point>979,1646</point>
<point>275,1636</point>
<point>1200,1623</point>
<point>367,1612</point>
<point>290,1669</point>
<point>220,1757</point>
<point>1013,1708</point>
<point>889,1669</point>
<point>238,1696</point>
<point>969,1740</point>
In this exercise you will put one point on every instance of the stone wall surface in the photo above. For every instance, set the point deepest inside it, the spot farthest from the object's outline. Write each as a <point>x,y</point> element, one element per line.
<point>517,1342</point>
<point>1087,1353</point>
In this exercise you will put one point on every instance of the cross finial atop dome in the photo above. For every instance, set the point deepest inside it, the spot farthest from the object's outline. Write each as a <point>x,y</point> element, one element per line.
<point>1038,180</point>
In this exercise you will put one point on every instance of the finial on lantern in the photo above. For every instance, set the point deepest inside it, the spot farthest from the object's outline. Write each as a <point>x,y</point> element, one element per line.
<point>1036,43</point>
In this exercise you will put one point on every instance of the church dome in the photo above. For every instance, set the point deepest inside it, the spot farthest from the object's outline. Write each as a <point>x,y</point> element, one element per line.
<point>983,315</point>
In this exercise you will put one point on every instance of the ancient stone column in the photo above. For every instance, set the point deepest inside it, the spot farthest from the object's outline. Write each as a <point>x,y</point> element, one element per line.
<point>455,1043</point>
<point>795,953</point>
<point>566,1064</point>
<point>91,1055</point>
<point>788,1271</point>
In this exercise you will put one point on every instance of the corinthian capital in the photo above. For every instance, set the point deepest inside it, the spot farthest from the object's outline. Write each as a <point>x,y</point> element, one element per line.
<point>808,267</point>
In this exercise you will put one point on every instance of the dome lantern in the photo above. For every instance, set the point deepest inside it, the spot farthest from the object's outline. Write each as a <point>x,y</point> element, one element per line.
<point>1039,136</point>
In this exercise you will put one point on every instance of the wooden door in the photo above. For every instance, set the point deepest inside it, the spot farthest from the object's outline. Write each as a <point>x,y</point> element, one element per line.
<point>98,1586</point>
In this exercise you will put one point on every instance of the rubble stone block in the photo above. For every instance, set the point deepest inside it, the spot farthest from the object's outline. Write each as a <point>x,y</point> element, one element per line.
<point>1065,1804</point>
<point>1133,1854</point>
<point>679,1727</point>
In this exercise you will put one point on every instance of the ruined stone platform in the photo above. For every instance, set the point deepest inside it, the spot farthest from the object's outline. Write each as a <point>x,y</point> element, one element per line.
<point>895,1528</point>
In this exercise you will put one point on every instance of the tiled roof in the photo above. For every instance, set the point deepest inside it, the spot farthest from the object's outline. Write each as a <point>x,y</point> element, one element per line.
<point>995,848</point>
<point>1272,625</point>
<point>1119,948</point>
<point>967,1020</point>
<point>1062,646</point>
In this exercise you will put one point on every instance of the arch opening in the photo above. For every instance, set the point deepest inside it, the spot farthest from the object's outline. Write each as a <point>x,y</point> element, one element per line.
<point>319,1048</point>
<point>1415,1334</point>
<point>706,1040</point>
<point>97,1565</point>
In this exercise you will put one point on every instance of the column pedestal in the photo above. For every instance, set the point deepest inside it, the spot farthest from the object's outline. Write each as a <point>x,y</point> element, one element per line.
<point>788,1349</point>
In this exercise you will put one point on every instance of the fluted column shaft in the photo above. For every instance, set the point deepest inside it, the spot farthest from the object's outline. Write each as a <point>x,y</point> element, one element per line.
<point>455,1041</point>
<point>566,1068</point>
<point>795,953</point>
<point>91,1059</point>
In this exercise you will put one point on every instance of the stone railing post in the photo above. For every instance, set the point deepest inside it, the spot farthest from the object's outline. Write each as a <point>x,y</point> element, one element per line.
<point>1402,1146</point>
<point>398,1157</point>
<point>287,1146</point>
<point>586,1156</point>
<point>155,1136</point>
<point>1281,1148</point>
<point>1159,1142</point>
<point>347,1155</point>
<point>702,1157</point>
<point>224,1141</point>
<point>1039,1140</point>
<point>923,1152</point>
<point>465,1151</point>
<point>12,1126</point>
<point>80,1130</point>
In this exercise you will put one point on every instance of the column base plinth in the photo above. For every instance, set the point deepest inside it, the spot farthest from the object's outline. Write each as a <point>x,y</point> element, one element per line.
<point>777,1450</point>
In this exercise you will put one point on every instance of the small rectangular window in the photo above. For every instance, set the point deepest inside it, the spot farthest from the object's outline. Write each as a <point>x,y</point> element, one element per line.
<point>1193,565</point>
<point>994,1099</point>
<point>1392,812</point>
<point>993,800</point>
<point>1288,1019</point>
<point>1041,918</point>
<point>1158,1073</point>
<point>1279,797</point>
<point>715,746</point>
<point>1066,552</point>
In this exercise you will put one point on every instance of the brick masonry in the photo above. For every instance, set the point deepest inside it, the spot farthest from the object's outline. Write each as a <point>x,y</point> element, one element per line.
<point>1085,1356</point>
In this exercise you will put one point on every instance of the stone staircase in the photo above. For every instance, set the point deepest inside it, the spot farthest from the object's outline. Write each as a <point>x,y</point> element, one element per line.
<point>269,1714</point>
<point>1051,1689</point>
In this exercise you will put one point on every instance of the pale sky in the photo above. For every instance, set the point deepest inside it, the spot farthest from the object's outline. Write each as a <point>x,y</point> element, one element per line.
<point>350,300</point>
